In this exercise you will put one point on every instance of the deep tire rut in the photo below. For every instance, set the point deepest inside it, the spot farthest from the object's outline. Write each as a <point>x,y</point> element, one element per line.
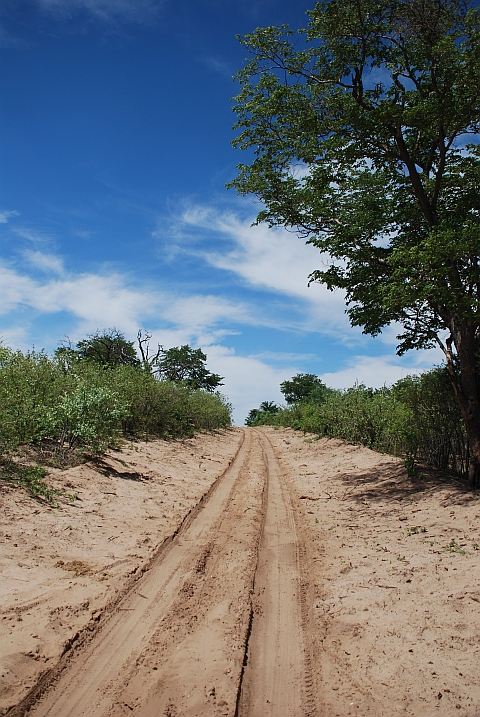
<point>218,625</point>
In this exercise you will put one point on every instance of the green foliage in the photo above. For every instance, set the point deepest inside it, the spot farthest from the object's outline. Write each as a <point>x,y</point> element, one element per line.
<point>269,407</point>
<point>107,348</point>
<point>304,387</point>
<point>87,417</point>
<point>31,384</point>
<point>66,403</point>
<point>454,547</point>
<point>182,364</point>
<point>263,415</point>
<point>387,191</point>
<point>167,409</point>
<point>415,529</point>
<point>417,418</point>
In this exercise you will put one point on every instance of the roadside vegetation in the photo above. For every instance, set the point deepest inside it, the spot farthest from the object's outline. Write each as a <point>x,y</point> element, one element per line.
<point>56,409</point>
<point>417,418</point>
<point>362,131</point>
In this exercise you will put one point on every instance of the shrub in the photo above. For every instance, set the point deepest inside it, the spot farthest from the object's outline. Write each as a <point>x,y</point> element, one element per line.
<point>417,418</point>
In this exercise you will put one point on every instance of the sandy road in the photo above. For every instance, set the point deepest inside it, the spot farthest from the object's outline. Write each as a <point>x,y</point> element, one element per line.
<point>216,626</point>
<point>276,680</point>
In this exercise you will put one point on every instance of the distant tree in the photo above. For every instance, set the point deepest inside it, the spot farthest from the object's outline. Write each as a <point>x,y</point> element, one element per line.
<point>256,415</point>
<point>182,364</point>
<point>149,360</point>
<point>108,348</point>
<point>304,387</point>
<point>357,131</point>
<point>252,416</point>
<point>269,407</point>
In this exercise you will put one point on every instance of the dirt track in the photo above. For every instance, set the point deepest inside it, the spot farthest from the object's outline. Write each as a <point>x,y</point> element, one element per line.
<point>177,643</point>
<point>312,578</point>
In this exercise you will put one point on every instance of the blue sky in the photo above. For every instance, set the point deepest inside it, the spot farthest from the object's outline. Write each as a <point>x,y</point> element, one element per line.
<point>115,147</point>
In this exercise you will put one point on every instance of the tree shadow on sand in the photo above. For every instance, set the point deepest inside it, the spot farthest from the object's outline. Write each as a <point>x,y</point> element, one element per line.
<point>392,483</point>
<point>108,470</point>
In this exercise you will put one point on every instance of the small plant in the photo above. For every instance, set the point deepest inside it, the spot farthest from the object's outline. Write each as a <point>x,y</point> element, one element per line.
<point>410,466</point>
<point>414,530</point>
<point>401,558</point>
<point>476,546</point>
<point>454,547</point>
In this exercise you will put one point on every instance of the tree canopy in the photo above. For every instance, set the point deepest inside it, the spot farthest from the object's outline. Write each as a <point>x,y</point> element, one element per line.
<point>256,415</point>
<point>182,364</point>
<point>304,387</point>
<point>365,129</point>
<point>108,348</point>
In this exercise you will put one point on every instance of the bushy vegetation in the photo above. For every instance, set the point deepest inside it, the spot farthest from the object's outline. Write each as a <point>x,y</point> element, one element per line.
<point>86,398</point>
<point>417,418</point>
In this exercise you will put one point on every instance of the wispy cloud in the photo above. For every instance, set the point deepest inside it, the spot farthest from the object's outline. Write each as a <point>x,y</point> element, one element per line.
<point>95,301</point>
<point>271,259</point>
<point>5,216</point>
<point>378,371</point>
<point>48,263</point>
<point>221,67</point>
<point>101,301</point>
<point>31,235</point>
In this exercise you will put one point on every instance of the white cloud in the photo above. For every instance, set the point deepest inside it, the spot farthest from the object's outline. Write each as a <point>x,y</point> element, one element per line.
<point>248,381</point>
<point>45,262</point>
<point>272,259</point>
<point>96,301</point>
<point>282,356</point>
<point>201,311</point>
<point>5,216</point>
<point>15,337</point>
<point>31,235</point>
<point>378,371</point>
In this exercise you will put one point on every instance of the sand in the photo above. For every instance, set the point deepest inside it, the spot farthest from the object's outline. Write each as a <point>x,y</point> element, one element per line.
<point>384,618</point>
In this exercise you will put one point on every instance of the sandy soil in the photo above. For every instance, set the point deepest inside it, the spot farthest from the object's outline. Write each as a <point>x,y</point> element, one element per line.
<point>312,578</point>
<point>61,568</point>
<point>396,604</point>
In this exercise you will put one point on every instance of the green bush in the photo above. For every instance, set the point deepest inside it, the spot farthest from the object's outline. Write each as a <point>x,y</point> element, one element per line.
<point>31,384</point>
<point>166,409</point>
<point>89,416</point>
<point>417,418</point>
<point>87,405</point>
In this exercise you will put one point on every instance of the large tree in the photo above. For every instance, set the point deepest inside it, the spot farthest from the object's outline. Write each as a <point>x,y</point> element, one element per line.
<point>108,348</point>
<point>182,364</point>
<point>304,387</point>
<point>365,129</point>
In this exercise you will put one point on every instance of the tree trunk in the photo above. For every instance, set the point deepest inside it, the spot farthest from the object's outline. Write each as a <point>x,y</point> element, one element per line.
<point>466,387</point>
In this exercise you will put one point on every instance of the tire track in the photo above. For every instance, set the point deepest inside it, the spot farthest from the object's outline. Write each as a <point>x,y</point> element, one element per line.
<point>86,685</point>
<point>219,623</point>
<point>277,678</point>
